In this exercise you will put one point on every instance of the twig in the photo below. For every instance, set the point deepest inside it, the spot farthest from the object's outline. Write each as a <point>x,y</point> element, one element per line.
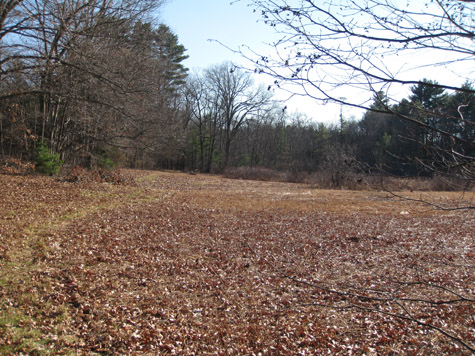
<point>437,206</point>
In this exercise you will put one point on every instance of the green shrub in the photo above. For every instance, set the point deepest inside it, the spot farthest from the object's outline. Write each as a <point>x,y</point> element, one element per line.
<point>45,161</point>
<point>106,163</point>
<point>108,157</point>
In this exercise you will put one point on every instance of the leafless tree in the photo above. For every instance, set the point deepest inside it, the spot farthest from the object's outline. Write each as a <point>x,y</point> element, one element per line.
<point>220,100</point>
<point>96,72</point>
<point>204,117</point>
<point>239,100</point>
<point>372,46</point>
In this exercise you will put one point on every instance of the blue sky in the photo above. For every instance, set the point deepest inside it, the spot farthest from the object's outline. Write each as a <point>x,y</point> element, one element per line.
<point>234,24</point>
<point>196,22</point>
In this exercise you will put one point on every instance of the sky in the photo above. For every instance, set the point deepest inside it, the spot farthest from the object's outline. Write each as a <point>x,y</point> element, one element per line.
<point>200,24</point>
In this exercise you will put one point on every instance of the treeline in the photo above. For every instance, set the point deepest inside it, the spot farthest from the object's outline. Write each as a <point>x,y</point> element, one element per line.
<point>414,137</point>
<point>93,80</point>
<point>98,84</point>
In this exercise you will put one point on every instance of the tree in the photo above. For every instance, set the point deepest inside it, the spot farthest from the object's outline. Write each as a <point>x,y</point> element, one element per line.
<point>221,102</point>
<point>9,22</point>
<point>238,99</point>
<point>148,72</point>
<point>88,76</point>
<point>41,33</point>
<point>374,126</point>
<point>461,111</point>
<point>203,112</point>
<point>334,44</point>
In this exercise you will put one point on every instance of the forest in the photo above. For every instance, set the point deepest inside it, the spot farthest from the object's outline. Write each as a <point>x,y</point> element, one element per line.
<point>98,85</point>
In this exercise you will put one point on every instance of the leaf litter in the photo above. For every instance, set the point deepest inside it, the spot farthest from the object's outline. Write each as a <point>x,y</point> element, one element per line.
<point>173,264</point>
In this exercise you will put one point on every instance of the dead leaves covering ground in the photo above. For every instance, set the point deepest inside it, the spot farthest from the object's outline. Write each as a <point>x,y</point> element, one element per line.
<point>197,265</point>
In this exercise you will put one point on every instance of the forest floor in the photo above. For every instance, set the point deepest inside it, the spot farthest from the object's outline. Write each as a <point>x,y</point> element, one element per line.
<point>177,264</point>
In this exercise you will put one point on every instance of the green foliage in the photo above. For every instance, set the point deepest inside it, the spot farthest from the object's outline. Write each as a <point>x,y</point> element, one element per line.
<point>103,159</point>
<point>174,53</point>
<point>106,163</point>
<point>108,157</point>
<point>45,161</point>
<point>428,94</point>
<point>164,45</point>
<point>380,101</point>
<point>384,142</point>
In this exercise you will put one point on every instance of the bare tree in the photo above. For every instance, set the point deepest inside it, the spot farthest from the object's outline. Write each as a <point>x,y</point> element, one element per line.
<point>9,21</point>
<point>238,100</point>
<point>372,46</point>
<point>95,72</point>
<point>203,110</point>
<point>39,32</point>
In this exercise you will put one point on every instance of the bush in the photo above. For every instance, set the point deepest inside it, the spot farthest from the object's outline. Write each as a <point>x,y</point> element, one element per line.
<point>45,161</point>
<point>106,163</point>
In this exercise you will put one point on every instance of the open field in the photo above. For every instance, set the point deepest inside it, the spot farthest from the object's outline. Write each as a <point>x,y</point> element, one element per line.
<point>177,264</point>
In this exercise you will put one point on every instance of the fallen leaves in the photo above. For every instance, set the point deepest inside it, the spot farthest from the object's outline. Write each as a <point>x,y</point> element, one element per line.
<point>180,264</point>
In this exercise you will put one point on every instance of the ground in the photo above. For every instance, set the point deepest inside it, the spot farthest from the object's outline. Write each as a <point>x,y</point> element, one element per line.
<point>176,264</point>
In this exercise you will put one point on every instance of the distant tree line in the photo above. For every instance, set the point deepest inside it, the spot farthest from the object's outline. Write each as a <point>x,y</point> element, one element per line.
<point>263,134</point>
<point>98,84</point>
<point>373,46</point>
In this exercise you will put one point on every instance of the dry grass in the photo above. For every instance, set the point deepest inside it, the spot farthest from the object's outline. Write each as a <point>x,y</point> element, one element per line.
<point>352,181</point>
<point>181,264</point>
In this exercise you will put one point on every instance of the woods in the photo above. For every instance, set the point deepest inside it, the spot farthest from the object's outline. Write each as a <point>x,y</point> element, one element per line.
<point>94,80</point>
<point>102,84</point>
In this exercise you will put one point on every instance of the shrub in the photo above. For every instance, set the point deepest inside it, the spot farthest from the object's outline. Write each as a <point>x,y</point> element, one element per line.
<point>45,161</point>
<point>106,163</point>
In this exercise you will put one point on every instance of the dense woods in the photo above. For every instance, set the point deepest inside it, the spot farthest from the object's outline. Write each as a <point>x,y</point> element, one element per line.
<point>100,84</point>
<point>94,80</point>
